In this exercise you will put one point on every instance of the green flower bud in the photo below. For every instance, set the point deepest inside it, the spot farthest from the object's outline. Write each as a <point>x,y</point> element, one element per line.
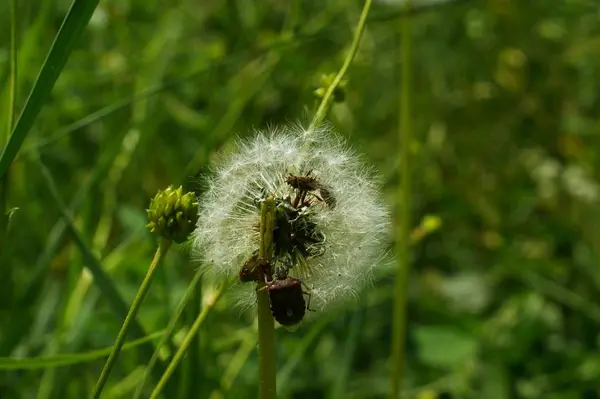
<point>339,93</point>
<point>172,214</point>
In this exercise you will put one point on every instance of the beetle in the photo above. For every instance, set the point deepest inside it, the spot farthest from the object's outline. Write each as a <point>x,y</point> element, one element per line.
<point>286,296</point>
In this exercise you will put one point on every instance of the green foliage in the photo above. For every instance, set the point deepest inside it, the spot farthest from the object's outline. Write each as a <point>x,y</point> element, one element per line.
<point>503,297</point>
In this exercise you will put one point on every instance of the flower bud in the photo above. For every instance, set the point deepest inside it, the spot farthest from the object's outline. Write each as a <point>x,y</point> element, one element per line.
<point>172,214</point>
<point>339,93</point>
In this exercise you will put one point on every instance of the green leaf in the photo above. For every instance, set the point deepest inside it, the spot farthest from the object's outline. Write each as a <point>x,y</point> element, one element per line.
<point>101,279</point>
<point>75,21</point>
<point>444,347</point>
<point>32,363</point>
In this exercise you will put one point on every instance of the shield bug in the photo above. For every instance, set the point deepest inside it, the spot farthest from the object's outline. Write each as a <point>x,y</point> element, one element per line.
<point>287,300</point>
<point>255,269</point>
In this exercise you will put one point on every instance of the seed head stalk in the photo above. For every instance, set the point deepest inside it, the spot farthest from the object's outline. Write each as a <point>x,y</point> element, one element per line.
<point>324,106</point>
<point>161,251</point>
<point>403,211</point>
<point>266,324</point>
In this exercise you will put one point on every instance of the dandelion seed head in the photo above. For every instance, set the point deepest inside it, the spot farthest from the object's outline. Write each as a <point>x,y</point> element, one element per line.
<point>355,230</point>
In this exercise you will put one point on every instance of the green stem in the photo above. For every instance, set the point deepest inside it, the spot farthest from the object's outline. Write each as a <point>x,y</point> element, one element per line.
<point>4,215</point>
<point>168,333</point>
<point>161,251</point>
<point>13,67</point>
<point>404,205</point>
<point>266,324</point>
<point>186,343</point>
<point>324,106</point>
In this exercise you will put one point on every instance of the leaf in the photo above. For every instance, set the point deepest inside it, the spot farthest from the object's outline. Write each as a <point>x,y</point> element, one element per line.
<point>32,363</point>
<point>75,21</point>
<point>444,347</point>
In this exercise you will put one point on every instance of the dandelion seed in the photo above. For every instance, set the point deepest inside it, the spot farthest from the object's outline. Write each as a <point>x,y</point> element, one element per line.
<point>332,227</point>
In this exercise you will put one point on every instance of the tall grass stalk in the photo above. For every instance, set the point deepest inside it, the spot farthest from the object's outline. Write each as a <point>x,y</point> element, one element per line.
<point>168,333</point>
<point>187,341</point>
<point>73,25</point>
<point>161,251</point>
<point>324,106</point>
<point>403,210</point>
<point>12,93</point>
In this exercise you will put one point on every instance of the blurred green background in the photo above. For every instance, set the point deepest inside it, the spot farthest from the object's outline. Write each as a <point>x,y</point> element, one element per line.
<point>503,300</point>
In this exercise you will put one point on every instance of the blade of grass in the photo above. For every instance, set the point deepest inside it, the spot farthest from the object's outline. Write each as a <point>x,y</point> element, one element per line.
<point>161,251</point>
<point>7,271</point>
<point>287,370</point>
<point>324,106</point>
<point>188,339</point>
<point>101,278</point>
<point>75,21</point>
<point>196,368</point>
<point>341,382</point>
<point>238,360</point>
<point>42,362</point>
<point>188,294</point>
<point>37,276</point>
<point>12,91</point>
<point>300,39</point>
<point>55,236</point>
<point>403,222</point>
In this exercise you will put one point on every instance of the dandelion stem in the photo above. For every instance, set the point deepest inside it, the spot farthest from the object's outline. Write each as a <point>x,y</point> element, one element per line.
<point>187,341</point>
<point>266,324</point>
<point>404,205</point>
<point>324,106</point>
<point>161,251</point>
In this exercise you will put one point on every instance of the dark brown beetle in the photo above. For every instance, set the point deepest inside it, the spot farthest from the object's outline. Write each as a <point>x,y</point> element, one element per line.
<point>287,300</point>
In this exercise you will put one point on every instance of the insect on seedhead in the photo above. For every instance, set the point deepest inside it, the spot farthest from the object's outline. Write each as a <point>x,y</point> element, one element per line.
<point>295,233</point>
<point>303,183</point>
<point>256,269</point>
<point>308,184</point>
<point>330,227</point>
<point>287,300</point>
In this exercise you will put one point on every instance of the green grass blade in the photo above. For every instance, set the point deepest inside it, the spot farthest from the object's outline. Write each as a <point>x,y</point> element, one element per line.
<point>7,272</point>
<point>12,88</point>
<point>338,390</point>
<point>42,362</point>
<point>75,21</point>
<point>403,222</point>
<point>286,372</point>
<point>101,278</point>
<point>188,294</point>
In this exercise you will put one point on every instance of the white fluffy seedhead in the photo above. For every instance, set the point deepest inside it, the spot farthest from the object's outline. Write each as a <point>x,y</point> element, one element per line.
<point>355,229</point>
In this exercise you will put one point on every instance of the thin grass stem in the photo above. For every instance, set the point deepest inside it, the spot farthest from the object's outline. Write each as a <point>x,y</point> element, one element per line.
<point>324,106</point>
<point>186,342</point>
<point>403,223</point>
<point>168,333</point>
<point>161,251</point>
